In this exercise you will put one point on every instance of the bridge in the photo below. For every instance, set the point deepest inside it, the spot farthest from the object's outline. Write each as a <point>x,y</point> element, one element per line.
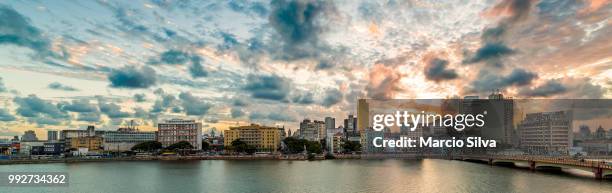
<point>601,169</point>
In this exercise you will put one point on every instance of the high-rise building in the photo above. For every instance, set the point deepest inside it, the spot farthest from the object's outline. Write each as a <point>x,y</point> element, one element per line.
<point>311,130</point>
<point>176,130</point>
<point>330,123</point>
<point>363,115</point>
<point>600,133</point>
<point>264,139</point>
<point>52,136</point>
<point>584,131</point>
<point>29,135</point>
<point>546,132</point>
<point>350,126</point>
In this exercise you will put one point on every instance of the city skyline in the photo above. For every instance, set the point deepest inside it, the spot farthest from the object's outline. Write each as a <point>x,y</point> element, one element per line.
<point>71,64</point>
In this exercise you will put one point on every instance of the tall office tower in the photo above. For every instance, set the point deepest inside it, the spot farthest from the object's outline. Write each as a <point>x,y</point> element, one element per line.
<point>350,126</point>
<point>311,130</point>
<point>330,124</point>
<point>176,130</point>
<point>363,115</point>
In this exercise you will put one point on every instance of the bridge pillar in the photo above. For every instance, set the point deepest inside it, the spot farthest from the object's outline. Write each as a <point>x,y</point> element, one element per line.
<point>490,161</point>
<point>598,173</point>
<point>532,165</point>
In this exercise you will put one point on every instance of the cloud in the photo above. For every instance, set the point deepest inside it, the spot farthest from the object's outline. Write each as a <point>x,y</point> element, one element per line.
<point>59,86</point>
<point>40,111</point>
<point>166,101</point>
<point>243,6</point>
<point>140,113</point>
<point>271,87</point>
<point>196,69</point>
<point>490,51</point>
<point>436,70</point>
<point>16,29</point>
<point>81,106</point>
<point>174,57</point>
<point>275,116</point>
<point>2,87</point>
<point>112,110</point>
<point>229,41</point>
<point>299,26</point>
<point>140,97</point>
<point>6,116</point>
<point>237,112</point>
<point>551,87</point>
<point>132,77</point>
<point>194,105</point>
<point>304,98</point>
<point>488,81</point>
<point>239,102</point>
<point>332,97</point>
<point>384,82</point>
<point>89,117</point>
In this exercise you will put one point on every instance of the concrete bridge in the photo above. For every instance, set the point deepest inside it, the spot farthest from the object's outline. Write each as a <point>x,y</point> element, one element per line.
<point>599,168</point>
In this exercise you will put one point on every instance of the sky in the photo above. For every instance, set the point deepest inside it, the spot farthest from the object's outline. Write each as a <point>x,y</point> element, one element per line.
<point>68,64</point>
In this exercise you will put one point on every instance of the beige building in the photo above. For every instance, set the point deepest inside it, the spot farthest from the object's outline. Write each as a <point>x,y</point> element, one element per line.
<point>93,144</point>
<point>546,132</point>
<point>265,139</point>
<point>177,130</point>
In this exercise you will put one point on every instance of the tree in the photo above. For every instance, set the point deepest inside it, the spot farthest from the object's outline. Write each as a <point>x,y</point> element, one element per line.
<point>351,146</point>
<point>239,145</point>
<point>313,147</point>
<point>147,146</point>
<point>180,145</point>
<point>205,146</point>
<point>294,145</point>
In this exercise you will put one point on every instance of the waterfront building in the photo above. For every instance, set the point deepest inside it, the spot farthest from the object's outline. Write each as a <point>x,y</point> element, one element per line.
<point>312,130</point>
<point>125,138</point>
<point>54,148</point>
<point>600,133</point>
<point>29,135</point>
<point>350,126</point>
<point>336,142</point>
<point>26,147</point>
<point>546,132</point>
<point>363,115</point>
<point>91,144</point>
<point>74,133</point>
<point>584,131</point>
<point>597,147</point>
<point>367,138</point>
<point>52,136</point>
<point>175,130</point>
<point>330,123</point>
<point>264,139</point>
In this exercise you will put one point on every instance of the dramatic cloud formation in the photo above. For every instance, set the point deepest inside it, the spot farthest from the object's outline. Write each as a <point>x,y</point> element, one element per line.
<point>436,70</point>
<point>303,98</point>
<point>551,87</point>
<point>2,87</point>
<point>194,105</point>
<point>16,29</point>
<point>59,86</point>
<point>487,82</point>
<point>270,87</point>
<point>196,69</point>
<point>132,77</point>
<point>6,116</point>
<point>237,112</point>
<point>81,106</point>
<point>112,110</point>
<point>332,97</point>
<point>40,111</point>
<point>140,97</point>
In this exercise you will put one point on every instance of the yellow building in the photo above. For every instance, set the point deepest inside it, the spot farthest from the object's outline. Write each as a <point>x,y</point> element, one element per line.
<point>91,143</point>
<point>263,138</point>
<point>363,115</point>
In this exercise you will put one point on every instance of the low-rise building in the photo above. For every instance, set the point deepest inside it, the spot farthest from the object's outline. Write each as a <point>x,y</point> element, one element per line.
<point>125,138</point>
<point>546,132</point>
<point>264,139</point>
<point>92,144</point>
<point>54,148</point>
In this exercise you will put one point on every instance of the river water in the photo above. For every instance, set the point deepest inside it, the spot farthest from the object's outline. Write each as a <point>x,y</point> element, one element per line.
<point>428,175</point>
